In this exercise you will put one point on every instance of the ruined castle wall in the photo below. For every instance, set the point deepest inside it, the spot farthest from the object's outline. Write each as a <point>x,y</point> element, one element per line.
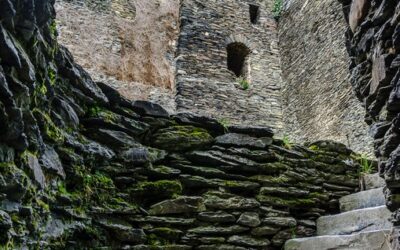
<point>317,95</point>
<point>81,167</point>
<point>129,44</point>
<point>204,83</point>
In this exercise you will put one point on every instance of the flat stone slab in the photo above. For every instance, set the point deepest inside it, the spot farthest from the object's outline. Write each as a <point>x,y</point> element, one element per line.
<point>371,181</point>
<point>374,240</point>
<point>356,221</point>
<point>364,199</point>
<point>243,140</point>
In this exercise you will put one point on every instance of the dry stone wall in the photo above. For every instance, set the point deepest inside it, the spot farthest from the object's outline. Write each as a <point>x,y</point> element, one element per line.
<point>373,43</point>
<point>317,98</point>
<point>204,83</point>
<point>81,167</point>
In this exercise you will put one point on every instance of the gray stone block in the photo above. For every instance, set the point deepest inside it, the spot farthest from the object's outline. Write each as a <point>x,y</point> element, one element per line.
<point>374,240</point>
<point>371,181</point>
<point>365,199</point>
<point>356,221</point>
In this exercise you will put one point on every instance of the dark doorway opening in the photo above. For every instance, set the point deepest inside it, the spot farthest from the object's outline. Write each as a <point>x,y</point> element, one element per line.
<point>254,13</point>
<point>237,58</point>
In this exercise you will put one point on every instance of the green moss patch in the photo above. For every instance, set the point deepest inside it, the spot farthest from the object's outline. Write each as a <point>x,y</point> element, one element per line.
<point>157,191</point>
<point>181,138</point>
<point>51,131</point>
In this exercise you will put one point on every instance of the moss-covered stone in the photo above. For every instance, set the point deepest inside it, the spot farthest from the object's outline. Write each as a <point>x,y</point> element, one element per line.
<point>275,167</point>
<point>100,112</point>
<point>330,146</point>
<point>226,201</point>
<point>13,181</point>
<point>296,203</point>
<point>157,190</point>
<point>272,180</point>
<point>181,138</point>
<point>241,186</point>
<point>284,191</point>
<point>51,131</point>
<point>180,205</point>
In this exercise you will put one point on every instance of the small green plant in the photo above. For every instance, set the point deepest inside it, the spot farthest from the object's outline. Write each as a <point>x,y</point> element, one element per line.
<point>51,130</point>
<point>225,123</point>
<point>287,143</point>
<point>61,188</point>
<point>314,148</point>
<point>277,10</point>
<point>96,184</point>
<point>43,205</point>
<point>244,84</point>
<point>293,234</point>
<point>53,29</point>
<point>366,165</point>
<point>52,76</point>
<point>95,111</point>
<point>10,245</point>
<point>43,89</point>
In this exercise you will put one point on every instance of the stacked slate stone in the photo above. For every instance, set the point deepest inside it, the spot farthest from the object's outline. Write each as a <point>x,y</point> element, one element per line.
<point>373,40</point>
<point>83,168</point>
<point>206,30</point>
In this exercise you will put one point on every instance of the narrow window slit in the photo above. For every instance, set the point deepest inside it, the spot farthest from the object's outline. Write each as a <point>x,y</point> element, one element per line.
<point>254,13</point>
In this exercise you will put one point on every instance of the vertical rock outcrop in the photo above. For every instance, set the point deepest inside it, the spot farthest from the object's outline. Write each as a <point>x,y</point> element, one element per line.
<point>373,43</point>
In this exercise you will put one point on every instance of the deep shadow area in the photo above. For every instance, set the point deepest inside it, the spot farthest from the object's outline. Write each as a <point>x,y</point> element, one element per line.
<point>237,54</point>
<point>254,13</point>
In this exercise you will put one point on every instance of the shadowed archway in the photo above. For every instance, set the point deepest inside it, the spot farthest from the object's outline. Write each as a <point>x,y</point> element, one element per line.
<point>237,56</point>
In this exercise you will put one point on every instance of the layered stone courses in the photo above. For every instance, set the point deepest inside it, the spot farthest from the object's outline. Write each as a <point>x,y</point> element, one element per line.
<point>204,83</point>
<point>318,100</point>
<point>313,102</point>
<point>365,222</point>
<point>128,175</point>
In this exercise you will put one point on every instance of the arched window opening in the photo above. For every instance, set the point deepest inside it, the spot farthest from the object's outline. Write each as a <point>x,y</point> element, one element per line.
<point>237,58</point>
<point>254,13</point>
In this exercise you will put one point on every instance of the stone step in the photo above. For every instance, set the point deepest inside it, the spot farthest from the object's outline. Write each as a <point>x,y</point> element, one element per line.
<point>356,221</point>
<point>371,181</point>
<point>364,199</point>
<point>374,240</point>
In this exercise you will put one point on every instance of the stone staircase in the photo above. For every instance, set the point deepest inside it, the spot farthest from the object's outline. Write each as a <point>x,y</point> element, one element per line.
<point>363,224</point>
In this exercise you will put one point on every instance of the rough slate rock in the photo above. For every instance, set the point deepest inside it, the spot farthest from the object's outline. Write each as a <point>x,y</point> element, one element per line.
<point>252,130</point>
<point>242,140</point>
<point>149,108</point>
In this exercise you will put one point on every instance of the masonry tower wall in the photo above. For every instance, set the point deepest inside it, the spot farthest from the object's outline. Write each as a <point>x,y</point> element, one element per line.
<point>205,84</point>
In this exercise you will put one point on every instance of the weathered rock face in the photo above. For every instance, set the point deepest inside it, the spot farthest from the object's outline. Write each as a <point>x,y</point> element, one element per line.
<point>318,101</point>
<point>130,44</point>
<point>373,44</point>
<point>82,167</point>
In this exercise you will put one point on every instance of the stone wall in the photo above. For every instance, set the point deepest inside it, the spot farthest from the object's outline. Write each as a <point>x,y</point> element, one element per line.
<point>128,44</point>
<point>373,42</point>
<point>81,167</point>
<point>317,98</point>
<point>137,43</point>
<point>204,83</point>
